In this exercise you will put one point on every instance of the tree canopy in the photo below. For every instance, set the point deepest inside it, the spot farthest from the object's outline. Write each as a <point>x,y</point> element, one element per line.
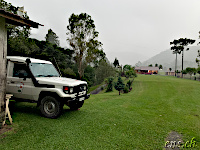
<point>52,38</point>
<point>129,71</point>
<point>82,38</point>
<point>116,62</point>
<point>179,45</point>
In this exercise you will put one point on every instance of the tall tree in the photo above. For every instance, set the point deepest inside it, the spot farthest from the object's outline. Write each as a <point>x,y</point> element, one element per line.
<point>179,46</point>
<point>52,38</point>
<point>82,38</point>
<point>116,62</point>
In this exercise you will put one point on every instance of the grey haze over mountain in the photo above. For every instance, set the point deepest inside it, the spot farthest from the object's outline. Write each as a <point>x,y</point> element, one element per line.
<point>167,59</point>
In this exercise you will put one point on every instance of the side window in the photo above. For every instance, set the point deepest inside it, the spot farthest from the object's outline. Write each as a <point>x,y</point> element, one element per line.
<point>20,71</point>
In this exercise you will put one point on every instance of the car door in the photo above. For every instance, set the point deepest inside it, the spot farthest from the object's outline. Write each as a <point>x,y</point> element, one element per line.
<point>20,83</point>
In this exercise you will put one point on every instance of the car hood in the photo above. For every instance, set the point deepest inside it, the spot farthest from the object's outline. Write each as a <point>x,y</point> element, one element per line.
<point>59,81</point>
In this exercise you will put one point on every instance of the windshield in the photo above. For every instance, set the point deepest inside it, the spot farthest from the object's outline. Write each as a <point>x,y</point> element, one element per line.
<point>43,70</point>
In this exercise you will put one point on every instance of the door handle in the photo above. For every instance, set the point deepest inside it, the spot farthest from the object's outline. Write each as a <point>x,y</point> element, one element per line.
<point>12,82</point>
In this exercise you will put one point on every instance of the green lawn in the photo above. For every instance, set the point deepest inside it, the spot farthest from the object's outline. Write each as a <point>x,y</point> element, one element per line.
<point>140,119</point>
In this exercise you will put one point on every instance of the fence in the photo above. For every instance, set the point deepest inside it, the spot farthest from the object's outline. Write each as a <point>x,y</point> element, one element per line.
<point>187,76</point>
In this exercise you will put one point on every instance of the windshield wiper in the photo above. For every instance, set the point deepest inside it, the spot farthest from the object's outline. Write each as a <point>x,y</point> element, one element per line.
<point>51,75</point>
<point>39,75</point>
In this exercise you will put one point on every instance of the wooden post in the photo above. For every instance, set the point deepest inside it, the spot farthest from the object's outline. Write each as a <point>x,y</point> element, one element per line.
<point>7,111</point>
<point>3,54</point>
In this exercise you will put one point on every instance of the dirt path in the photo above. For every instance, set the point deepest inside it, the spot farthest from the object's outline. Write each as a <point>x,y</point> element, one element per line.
<point>97,90</point>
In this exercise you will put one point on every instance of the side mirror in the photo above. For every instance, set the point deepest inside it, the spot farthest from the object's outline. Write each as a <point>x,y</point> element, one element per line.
<point>23,75</point>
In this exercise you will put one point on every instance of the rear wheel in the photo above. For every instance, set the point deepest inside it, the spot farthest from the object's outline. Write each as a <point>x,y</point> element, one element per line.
<point>50,107</point>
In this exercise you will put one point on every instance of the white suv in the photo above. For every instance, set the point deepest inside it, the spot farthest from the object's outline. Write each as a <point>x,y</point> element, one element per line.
<point>36,80</point>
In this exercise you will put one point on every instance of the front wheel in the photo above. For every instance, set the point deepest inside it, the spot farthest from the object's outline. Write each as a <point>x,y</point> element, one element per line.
<point>50,107</point>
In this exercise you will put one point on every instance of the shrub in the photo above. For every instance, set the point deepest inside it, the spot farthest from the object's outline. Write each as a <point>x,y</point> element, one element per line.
<point>110,84</point>
<point>129,84</point>
<point>126,89</point>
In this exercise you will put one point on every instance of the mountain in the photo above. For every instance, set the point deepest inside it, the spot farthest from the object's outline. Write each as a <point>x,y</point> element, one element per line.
<point>167,59</point>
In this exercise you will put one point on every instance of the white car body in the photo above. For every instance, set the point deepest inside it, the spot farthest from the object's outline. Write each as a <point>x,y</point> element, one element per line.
<point>24,84</point>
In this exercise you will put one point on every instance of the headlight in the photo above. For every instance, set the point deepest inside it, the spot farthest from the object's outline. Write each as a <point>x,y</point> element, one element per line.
<point>71,90</point>
<point>68,90</point>
<point>84,87</point>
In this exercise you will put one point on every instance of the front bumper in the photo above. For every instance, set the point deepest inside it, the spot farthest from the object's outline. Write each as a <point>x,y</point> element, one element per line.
<point>87,96</point>
<point>77,98</point>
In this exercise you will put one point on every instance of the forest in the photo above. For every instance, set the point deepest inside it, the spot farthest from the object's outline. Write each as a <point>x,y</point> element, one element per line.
<point>84,59</point>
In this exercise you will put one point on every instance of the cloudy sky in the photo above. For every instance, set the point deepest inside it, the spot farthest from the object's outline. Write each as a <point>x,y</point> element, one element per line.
<point>131,30</point>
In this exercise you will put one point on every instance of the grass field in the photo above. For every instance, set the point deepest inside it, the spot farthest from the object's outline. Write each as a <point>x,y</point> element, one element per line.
<point>141,119</point>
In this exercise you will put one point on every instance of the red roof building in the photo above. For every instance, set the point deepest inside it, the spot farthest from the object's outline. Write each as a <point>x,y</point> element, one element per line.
<point>146,70</point>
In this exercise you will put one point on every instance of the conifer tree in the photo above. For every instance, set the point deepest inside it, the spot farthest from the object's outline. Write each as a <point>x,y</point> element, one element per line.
<point>110,85</point>
<point>119,85</point>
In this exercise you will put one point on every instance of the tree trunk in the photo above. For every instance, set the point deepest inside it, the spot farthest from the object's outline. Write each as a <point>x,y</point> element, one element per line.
<point>80,65</point>
<point>175,64</point>
<point>3,54</point>
<point>80,69</point>
<point>182,64</point>
<point>119,92</point>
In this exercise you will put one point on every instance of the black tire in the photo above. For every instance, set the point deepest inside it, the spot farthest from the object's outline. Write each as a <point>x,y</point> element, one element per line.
<point>50,107</point>
<point>76,105</point>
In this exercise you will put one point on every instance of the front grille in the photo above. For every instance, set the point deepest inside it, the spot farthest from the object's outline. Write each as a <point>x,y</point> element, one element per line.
<point>80,88</point>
